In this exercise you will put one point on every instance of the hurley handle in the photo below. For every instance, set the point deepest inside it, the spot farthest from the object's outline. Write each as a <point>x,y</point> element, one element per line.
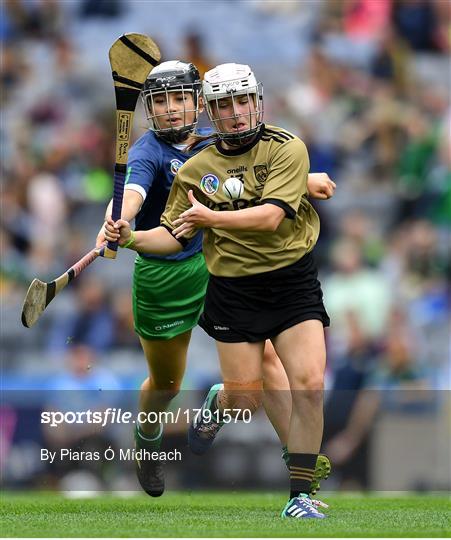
<point>132,56</point>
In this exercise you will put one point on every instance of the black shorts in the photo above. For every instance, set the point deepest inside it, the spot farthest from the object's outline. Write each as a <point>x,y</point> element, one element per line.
<point>259,307</point>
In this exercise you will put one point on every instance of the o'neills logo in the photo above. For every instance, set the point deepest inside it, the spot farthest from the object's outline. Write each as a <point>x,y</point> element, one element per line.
<point>240,169</point>
<point>168,325</point>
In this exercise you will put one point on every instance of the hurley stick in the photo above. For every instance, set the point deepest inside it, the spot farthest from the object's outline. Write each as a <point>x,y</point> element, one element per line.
<point>132,56</point>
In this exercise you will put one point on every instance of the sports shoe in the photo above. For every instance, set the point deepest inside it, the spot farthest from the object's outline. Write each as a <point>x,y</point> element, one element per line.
<point>322,470</point>
<point>202,432</point>
<point>150,472</point>
<point>301,507</point>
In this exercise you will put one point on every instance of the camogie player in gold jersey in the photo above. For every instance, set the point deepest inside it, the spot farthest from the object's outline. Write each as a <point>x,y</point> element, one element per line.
<point>168,291</point>
<point>248,191</point>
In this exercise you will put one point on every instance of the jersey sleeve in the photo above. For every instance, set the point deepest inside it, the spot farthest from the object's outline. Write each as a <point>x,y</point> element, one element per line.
<point>287,177</point>
<point>142,169</point>
<point>177,203</point>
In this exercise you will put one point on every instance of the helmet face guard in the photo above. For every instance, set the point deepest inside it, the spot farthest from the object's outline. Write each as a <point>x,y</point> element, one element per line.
<point>166,78</point>
<point>234,81</point>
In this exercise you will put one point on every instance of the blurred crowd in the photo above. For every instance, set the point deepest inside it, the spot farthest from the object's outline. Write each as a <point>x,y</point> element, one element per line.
<point>369,94</point>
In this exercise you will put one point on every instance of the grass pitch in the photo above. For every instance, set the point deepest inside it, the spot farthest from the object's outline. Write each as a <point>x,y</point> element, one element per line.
<point>231,514</point>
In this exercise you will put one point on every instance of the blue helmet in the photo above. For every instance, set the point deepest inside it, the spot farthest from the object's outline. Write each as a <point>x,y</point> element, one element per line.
<point>172,76</point>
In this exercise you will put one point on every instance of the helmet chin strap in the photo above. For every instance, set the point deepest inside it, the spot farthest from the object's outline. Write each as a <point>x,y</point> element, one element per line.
<point>176,136</point>
<point>237,139</point>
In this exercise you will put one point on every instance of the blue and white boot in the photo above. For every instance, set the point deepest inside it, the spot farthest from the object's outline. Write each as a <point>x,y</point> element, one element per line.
<point>205,427</point>
<point>301,507</point>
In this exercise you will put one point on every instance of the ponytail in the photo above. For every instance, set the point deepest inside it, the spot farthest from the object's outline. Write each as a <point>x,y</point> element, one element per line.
<point>199,139</point>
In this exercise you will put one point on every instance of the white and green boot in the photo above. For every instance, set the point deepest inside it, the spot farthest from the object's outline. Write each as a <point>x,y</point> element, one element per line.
<point>206,424</point>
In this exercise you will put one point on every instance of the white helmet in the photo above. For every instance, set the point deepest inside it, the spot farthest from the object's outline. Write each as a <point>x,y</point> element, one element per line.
<point>233,80</point>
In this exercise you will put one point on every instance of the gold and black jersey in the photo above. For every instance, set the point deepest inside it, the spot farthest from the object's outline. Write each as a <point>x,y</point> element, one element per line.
<point>273,169</point>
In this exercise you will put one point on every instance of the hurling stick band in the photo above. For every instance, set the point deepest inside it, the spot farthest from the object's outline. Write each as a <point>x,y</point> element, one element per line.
<point>132,57</point>
<point>40,294</point>
<point>152,60</point>
<point>124,80</point>
<point>55,286</point>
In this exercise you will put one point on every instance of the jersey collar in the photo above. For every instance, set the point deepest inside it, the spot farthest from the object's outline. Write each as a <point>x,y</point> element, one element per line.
<point>240,149</point>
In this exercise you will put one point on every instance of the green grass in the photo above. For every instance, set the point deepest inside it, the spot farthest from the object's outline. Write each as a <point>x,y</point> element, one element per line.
<point>234,514</point>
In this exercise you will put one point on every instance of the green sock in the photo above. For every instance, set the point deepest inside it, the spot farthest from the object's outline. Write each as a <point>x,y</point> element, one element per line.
<point>285,454</point>
<point>148,442</point>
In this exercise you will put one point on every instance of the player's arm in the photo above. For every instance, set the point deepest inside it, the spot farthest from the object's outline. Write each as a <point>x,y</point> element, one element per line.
<point>261,218</point>
<point>158,241</point>
<point>320,186</point>
<point>131,205</point>
<point>143,165</point>
<point>266,217</point>
<point>282,194</point>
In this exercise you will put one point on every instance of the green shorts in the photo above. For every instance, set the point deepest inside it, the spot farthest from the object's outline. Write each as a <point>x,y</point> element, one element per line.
<point>168,296</point>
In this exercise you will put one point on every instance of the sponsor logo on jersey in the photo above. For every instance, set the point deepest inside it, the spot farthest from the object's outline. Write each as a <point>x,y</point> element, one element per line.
<point>261,174</point>
<point>209,184</point>
<point>240,169</point>
<point>175,166</point>
<point>217,327</point>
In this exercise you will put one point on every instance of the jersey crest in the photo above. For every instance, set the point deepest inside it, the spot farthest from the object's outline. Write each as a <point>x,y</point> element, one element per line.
<point>261,174</point>
<point>209,184</point>
<point>175,166</point>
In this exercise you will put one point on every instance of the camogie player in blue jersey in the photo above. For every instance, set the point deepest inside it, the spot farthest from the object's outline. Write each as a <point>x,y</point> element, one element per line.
<point>169,291</point>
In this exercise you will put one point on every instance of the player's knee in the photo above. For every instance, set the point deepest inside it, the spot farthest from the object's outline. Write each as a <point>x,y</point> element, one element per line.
<point>310,392</point>
<point>238,396</point>
<point>168,394</point>
<point>166,390</point>
<point>312,380</point>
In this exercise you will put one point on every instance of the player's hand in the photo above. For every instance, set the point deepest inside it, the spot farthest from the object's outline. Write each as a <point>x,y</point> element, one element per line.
<point>320,186</point>
<point>119,231</point>
<point>198,216</point>
<point>110,233</point>
<point>183,230</point>
<point>101,238</point>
